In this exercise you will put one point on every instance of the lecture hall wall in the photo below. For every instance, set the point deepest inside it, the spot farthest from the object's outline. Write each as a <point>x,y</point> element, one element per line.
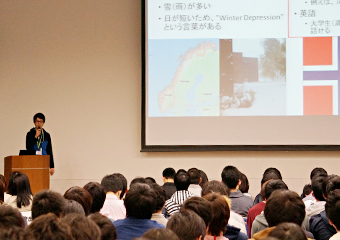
<point>79,62</point>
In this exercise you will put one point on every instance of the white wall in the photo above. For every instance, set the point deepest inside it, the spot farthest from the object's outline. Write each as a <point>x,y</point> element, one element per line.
<point>79,62</point>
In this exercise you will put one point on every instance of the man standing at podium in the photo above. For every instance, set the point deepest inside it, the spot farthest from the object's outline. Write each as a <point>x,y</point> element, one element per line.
<point>37,139</point>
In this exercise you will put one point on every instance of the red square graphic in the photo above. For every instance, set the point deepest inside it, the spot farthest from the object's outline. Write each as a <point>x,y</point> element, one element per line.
<point>317,51</point>
<point>317,100</point>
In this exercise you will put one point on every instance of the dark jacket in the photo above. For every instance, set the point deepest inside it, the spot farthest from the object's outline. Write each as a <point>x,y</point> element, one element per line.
<point>320,227</point>
<point>233,233</point>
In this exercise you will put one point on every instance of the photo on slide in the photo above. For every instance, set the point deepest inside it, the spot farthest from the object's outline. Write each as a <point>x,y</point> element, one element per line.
<point>253,77</point>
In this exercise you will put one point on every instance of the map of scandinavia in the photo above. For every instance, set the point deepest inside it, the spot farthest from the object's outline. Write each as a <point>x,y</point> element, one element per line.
<point>194,88</point>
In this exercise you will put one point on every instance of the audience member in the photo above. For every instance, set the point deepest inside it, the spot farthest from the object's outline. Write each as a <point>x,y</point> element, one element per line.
<point>140,203</point>
<point>319,205</point>
<point>160,201</point>
<point>81,196</point>
<point>244,187</point>
<point>332,208</point>
<point>318,171</point>
<point>98,195</point>
<point>168,179</point>
<point>182,182</point>
<point>2,188</point>
<point>150,180</point>
<point>204,178</point>
<point>187,225</point>
<point>160,234</point>
<point>10,217</point>
<point>124,181</point>
<point>195,179</point>
<point>240,203</point>
<point>107,229</point>
<point>137,180</point>
<point>113,207</point>
<point>72,206</point>
<point>15,233</point>
<point>47,201</point>
<point>307,189</point>
<point>19,194</point>
<point>288,231</point>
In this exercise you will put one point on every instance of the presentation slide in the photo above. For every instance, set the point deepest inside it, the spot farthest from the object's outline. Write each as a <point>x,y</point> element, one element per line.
<point>241,73</point>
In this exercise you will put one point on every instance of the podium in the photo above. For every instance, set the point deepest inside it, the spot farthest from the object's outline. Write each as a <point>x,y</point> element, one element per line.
<point>36,167</point>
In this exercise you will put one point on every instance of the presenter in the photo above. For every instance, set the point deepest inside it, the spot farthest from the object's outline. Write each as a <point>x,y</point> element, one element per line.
<point>37,139</point>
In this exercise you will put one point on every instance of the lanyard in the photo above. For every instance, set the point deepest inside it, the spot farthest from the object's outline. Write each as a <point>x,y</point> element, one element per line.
<point>40,138</point>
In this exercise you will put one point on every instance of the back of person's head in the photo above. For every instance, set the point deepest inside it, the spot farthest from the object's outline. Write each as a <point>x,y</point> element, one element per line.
<point>194,175</point>
<point>332,184</point>
<point>271,175</point>
<point>160,234</point>
<point>284,206</point>
<point>112,183</point>
<point>273,185</point>
<point>182,180</point>
<point>137,180</point>
<point>19,185</point>
<point>2,187</point>
<point>140,201</point>
<point>288,231</point>
<point>15,233</point>
<point>204,178</point>
<point>187,225</point>
<point>150,180</point>
<point>307,189</point>
<point>231,176</point>
<point>332,207</point>
<point>107,229</point>
<point>325,182</point>
<point>317,187</point>
<point>318,172</point>
<point>47,201</point>
<point>160,196</point>
<point>48,226</point>
<point>82,228</point>
<point>215,187</point>
<point>39,115</point>
<point>81,196</point>
<point>274,170</point>
<point>124,181</point>
<point>169,173</point>
<point>200,206</point>
<point>220,214</point>
<point>10,217</point>
<point>72,206</point>
<point>98,195</point>
<point>244,187</point>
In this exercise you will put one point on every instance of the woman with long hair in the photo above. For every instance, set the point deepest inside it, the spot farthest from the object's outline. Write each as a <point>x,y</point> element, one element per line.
<point>19,194</point>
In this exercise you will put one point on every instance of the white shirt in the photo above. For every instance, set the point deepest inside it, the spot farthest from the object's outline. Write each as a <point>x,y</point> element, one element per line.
<point>335,236</point>
<point>237,220</point>
<point>195,189</point>
<point>113,207</point>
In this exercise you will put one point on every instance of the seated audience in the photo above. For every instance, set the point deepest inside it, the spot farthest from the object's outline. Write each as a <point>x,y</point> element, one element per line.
<point>204,178</point>
<point>81,196</point>
<point>107,229</point>
<point>160,234</point>
<point>124,181</point>
<point>195,179</point>
<point>10,217</point>
<point>307,189</point>
<point>72,206</point>
<point>2,188</point>
<point>333,211</point>
<point>98,195</point>
<point>150,180</point>
<point>160,201</point>
<point>288,231</point>
<point>113,207</point>
<point>140,203</point>
<point>240,203</point>
<point>168,179</point>
<point>187,225</point>
<point>318,205</point>
<point>137,180</point>
<point>244,187</point>
<point>19,194</point>
<point>15,233</point>
<point>182,182</point>
<point>47,201</point>
<point>316,172</point>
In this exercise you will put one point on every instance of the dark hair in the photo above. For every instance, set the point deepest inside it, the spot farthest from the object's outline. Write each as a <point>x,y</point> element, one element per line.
<point>271,175</point>
<point>187,225</point>
<point>317,187</point>
<point>48,226</point>
<point>124,181</point>
<point>332,184</point>
<point>137,180</point>
<point>318,172</point>
<point>204,178</point>
<point>215,187</point>
<point>107,229</point>
<point>244,187</point>
<point>98,195</point>
<point>150,180</point>
<point>140,201</point>
<point>332,207</point>
<point>160,234</point>
<point>15,233</point>
<point>325,182</point>
<point>169,173</point>
<point>273,185</point>
<point>10,217</point>
<point>307,189</point>
<point>82,227</point>
<point>194,175</point>
<point>231,176</point>
<point>39,115</point>
<point>288,231</point>
<point>72,206</point>
<point>112,183</point>
<point>287,206</point>
<point>220,213</point>
<point>274,170</point>
<point>160,196</point>
<point>19,185</point>
<point>47,201</point>
<point>2,187</point>
<point>80,195</point>
<point>200,206</point>
<point>182,180</point>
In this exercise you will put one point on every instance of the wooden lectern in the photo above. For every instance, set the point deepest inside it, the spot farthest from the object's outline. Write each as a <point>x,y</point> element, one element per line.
<point>36,167</point>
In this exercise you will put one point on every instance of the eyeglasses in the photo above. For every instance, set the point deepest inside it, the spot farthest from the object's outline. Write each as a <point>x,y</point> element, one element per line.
<point>39,121</point>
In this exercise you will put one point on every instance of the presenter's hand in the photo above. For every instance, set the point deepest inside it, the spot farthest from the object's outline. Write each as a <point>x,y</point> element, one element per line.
<point>37,133</point>
<point>51,171</point>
